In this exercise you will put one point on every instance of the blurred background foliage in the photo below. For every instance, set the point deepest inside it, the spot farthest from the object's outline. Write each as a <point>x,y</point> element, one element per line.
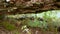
<point>24,14</point>
<point>44,20</point>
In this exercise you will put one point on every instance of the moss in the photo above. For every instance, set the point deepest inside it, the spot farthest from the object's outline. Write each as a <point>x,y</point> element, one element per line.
<point>8,26</point>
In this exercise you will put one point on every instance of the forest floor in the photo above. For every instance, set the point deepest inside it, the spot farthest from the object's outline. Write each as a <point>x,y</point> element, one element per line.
<point>32,31</point>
